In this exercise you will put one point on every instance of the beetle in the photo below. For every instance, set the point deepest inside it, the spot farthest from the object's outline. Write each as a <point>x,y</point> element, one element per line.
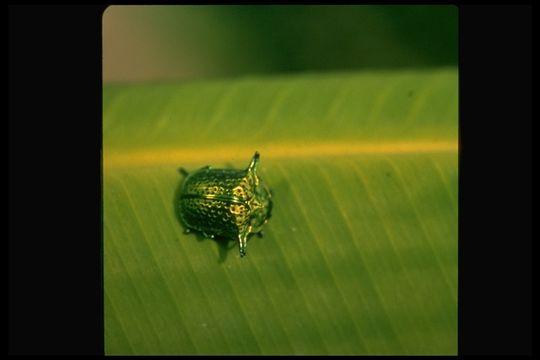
<point>229,203</point>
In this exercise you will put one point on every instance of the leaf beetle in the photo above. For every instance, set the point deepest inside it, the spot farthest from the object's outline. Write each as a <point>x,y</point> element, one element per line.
<point>229,203</point>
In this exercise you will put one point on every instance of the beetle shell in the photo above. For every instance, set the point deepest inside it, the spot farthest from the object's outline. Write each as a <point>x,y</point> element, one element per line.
<point>226,202</point>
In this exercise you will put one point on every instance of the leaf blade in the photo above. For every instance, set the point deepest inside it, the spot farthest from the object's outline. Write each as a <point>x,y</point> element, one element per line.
<point>360,255</point>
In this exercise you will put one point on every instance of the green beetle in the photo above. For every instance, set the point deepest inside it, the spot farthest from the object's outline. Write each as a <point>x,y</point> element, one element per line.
<point>228,203</point>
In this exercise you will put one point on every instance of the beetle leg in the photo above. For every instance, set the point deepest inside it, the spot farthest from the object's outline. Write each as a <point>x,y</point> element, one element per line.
<point>208,236</point>
<point>254,161</point>
<point>242,241</point>
<point>183,171</point>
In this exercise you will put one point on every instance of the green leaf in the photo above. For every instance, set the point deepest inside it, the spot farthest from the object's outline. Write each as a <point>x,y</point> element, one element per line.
<point>360,254</point>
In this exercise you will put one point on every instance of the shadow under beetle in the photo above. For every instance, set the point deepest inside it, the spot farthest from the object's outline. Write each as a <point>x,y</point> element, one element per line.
<point>229,203</point>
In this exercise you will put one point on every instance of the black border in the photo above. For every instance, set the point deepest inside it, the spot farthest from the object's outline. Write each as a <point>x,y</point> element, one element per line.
<point>56,298</point>
<point>55,272</point>
<point>495,232</point>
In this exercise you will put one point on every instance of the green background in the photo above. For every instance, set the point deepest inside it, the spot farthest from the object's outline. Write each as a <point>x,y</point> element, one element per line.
<point>194,42</point>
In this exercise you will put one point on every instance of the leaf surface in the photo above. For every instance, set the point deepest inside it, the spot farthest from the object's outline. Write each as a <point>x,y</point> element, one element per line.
<point>360,254</point>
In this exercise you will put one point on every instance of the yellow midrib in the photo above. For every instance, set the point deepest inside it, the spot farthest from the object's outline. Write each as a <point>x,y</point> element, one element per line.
<point>116,158</point>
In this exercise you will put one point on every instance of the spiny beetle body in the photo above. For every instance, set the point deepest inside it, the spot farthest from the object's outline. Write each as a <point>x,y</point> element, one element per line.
<point>229,203</point>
